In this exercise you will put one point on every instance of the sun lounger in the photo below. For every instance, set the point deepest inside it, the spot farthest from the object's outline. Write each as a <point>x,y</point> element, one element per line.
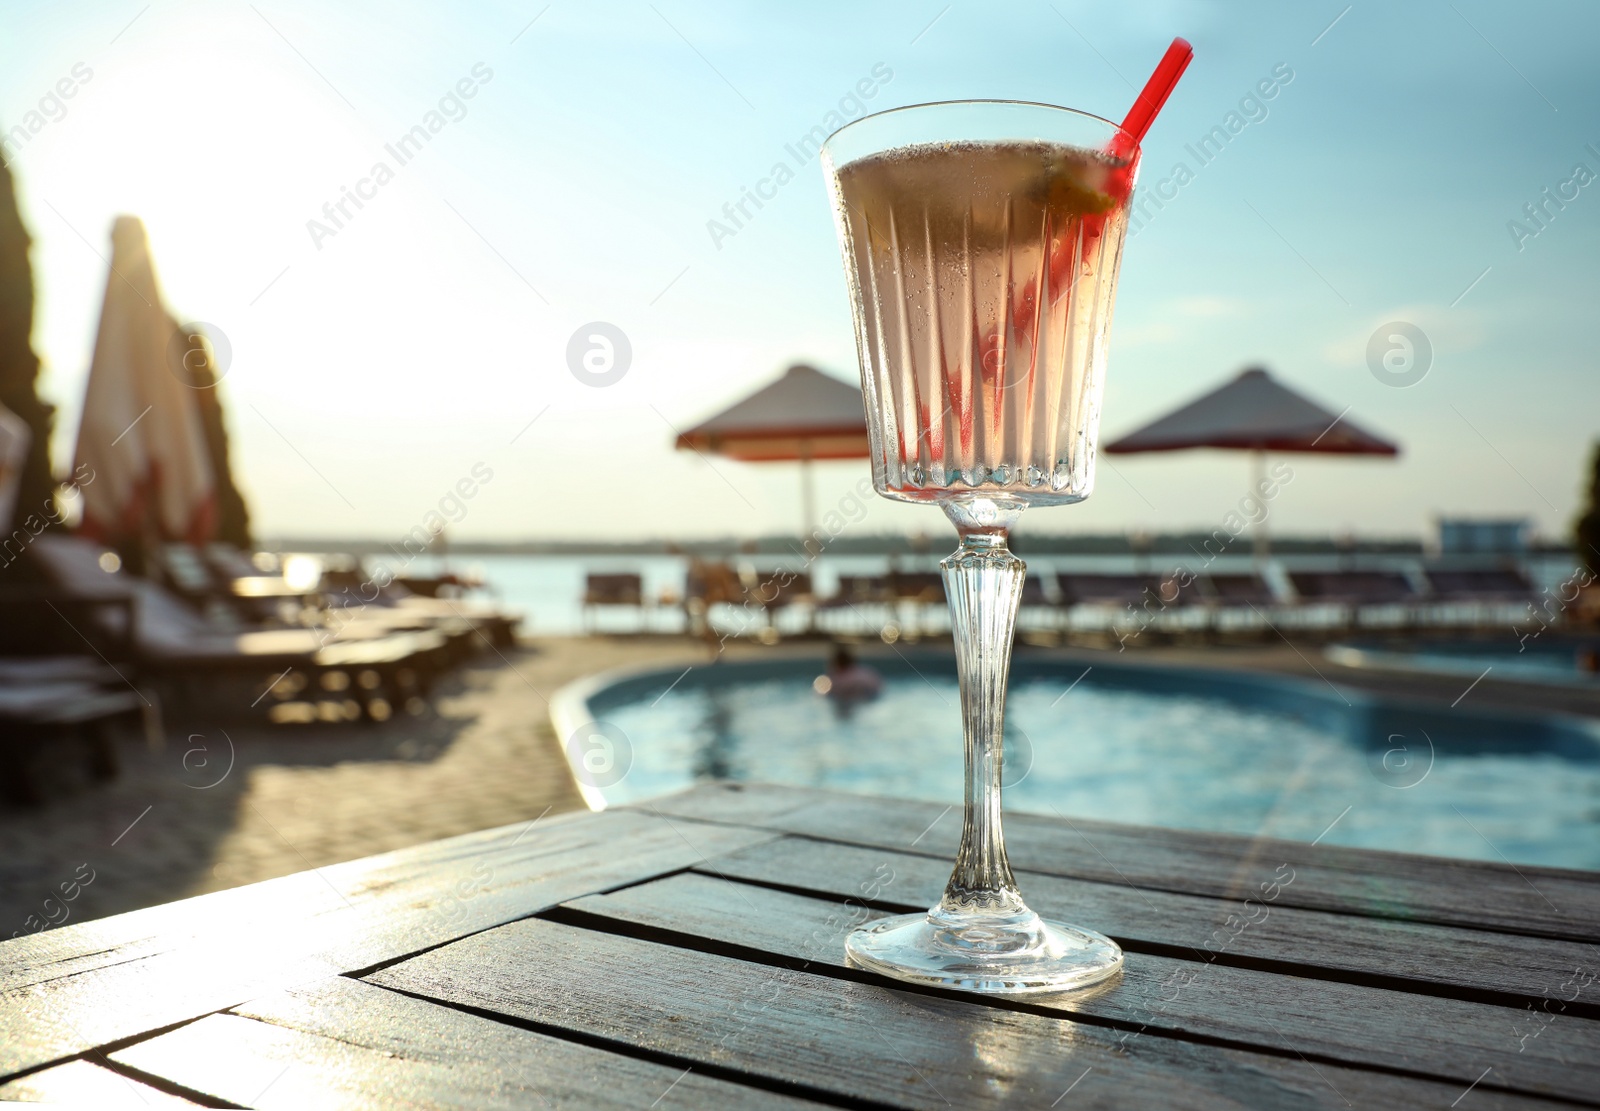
<point>489,623</point>
<point>363,614</point>
<point>53,733</point>
<point>774,592</point>
<point>350,602</point>
<point>446,584</point>
<point>1360,588</point>
<point>1233,602</point>
<point>926,587</point>
<point>1033,593</point>
<point>186,573</point>
<point>858,597</point>
<point>1351,593</point>
<point>60,692</point>
<point>857,590</point>
<point>1107,590</point>
<point>612,590</point>
<point>924,591</point>
<point>1236,590</point>
<point>1499,584</point>
<point>1131,605</point>
<point>625,589</point>
<point>709,583</point>
<point>1477,596</point>
<point>346,600</point>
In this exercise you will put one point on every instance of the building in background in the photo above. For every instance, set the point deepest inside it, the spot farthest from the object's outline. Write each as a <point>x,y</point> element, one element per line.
<point>1484,536</point>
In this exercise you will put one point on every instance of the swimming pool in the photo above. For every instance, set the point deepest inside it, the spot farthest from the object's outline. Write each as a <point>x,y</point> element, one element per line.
<point>1135,743</point>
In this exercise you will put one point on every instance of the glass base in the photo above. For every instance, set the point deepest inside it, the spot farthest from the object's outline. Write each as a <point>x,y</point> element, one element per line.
<point>1020,954</point>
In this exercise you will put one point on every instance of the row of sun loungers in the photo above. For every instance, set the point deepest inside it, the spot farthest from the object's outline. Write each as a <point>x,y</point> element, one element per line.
<point>213,633</point>
<point>1305,600</point>
<point>196,652</point>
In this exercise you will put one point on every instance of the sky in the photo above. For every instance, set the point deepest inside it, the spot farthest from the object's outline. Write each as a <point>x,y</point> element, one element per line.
<point>372,364</point>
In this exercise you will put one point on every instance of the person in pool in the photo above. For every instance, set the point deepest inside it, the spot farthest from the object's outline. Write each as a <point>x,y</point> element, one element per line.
<point>848,682</point>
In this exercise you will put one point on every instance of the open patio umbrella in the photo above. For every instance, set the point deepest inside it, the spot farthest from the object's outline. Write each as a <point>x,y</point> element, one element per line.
<point>1258,414</point>
<point>804,415</point>
<point>141,432</point>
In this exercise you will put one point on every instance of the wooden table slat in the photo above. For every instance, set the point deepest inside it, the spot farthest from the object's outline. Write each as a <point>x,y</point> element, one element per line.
<point>103,982</point>
<point>866,1041</point>
<point>1403,955</point>
<point>1356,1025</point>
<point>83,945</point>
<point>346,1043</point>
<point>1519,899</point>
<point>81,1084</point>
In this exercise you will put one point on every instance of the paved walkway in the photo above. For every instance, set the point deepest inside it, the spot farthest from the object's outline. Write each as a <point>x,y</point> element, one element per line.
<point>192,818</point>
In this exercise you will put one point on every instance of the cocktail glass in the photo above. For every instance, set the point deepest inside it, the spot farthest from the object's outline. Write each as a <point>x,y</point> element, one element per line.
<point>981,243</point>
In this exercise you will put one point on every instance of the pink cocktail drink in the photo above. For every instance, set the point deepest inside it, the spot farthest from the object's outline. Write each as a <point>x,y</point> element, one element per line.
<point>984,274</point>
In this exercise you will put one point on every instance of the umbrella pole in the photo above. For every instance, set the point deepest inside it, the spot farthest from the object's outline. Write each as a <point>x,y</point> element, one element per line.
<point>1258,480</point>
<point>808,499</point>
<point>808,506</point>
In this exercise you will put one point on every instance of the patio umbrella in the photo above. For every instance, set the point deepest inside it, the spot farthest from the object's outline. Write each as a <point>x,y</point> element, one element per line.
<point>1258,414</point>
<point>804,415</point>
<point>141,431</point>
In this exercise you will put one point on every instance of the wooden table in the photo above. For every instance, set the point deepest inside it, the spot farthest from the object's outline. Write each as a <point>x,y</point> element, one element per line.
<point>688,953</point>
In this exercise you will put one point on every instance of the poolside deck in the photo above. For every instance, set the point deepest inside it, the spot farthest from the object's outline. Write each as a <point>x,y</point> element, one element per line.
<point>688,952</point>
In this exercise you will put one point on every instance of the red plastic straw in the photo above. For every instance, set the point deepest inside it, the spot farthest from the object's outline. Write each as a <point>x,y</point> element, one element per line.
<point>1155,93</point>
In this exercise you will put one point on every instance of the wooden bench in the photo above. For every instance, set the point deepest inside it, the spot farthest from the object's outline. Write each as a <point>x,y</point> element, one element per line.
<point>689,953</point>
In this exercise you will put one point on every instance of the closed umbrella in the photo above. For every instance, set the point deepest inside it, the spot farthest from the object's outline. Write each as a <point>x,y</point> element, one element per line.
<point>14,440</point>
<point>1255,413</point>
<point>804,415</point>
<point>141,430</point>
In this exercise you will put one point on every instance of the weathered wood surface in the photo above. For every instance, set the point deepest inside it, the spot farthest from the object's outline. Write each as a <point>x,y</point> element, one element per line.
<point>1345,1023</point>
<point>1443,959</point>
<point>688,953</point>
<point>865,1041</point>
<point>345,1043</point>
<point>1521,899</point>
<point>68,990</point>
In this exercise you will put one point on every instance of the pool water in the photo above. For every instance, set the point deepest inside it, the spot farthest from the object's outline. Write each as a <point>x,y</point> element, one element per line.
<point>1186,749</point>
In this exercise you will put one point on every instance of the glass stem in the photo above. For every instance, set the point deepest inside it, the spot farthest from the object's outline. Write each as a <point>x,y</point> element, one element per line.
<point>983,581</point>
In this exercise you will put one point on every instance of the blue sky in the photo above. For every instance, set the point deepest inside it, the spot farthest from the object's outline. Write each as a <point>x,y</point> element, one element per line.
<point>372,369</point>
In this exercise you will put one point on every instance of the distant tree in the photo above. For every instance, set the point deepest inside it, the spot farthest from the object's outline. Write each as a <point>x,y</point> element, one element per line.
<point>1586,534</point>
<point>19,366</point>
